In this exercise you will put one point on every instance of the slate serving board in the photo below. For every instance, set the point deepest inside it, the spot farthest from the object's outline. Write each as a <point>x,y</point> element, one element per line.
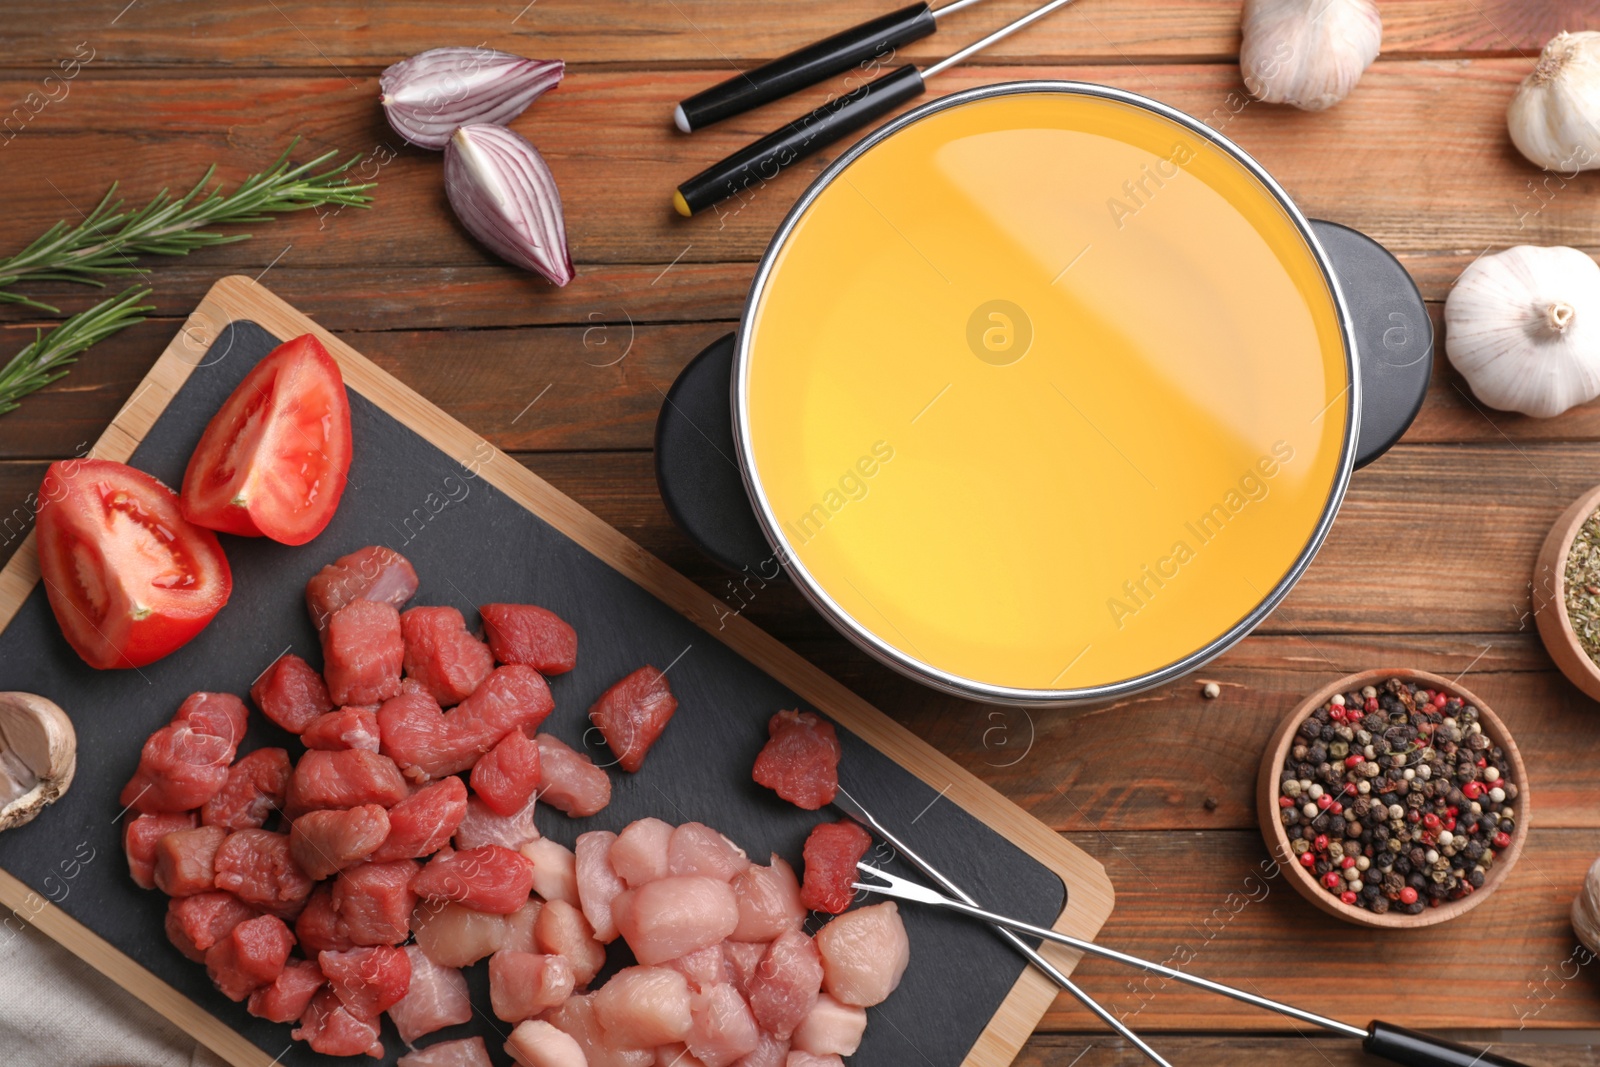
<point>442,500</point>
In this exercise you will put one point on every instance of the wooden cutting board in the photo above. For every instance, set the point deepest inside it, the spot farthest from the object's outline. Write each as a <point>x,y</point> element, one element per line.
<point>480,527</point>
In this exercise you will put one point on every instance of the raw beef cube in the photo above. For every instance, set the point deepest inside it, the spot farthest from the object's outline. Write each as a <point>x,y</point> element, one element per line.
<point>523,984</point>
<point>333,1030</point>
<point>832,852</point>
<point>254,790</point>
<point>723,1030</point>
<point>480,826</point>
<point>800,761</point>
<point>831,1028</point>
<point>561,930</point>
<point>506,776</point>
<point>250,956</point>
<point>454,936</point>
<point>696,848</point>
<point>347,778</point>
<point>219,715</point>
<point>536,1043</point>
<point>139,836</point>
<point>371,573</point>
<point>291,693</point>
<point>785,986</point>
<point>511,698</point>
<point>555,870</point>
<point>864,953</point>
<point>769,901</point>
<point>325,842</point>
<point>367,980</point>
<point>598,884</point>
<point>640,853</point>
<point>184,764</point>
<point>185,860</point>
<point>531,636</point>
<point>319,927</point>
<point>289,995</point>
<point>576,1018</point>
<point>415,734</point>
<point>671,917</point>
<point>641,1007</point>
<point>569,781</point>
<point>436,998</point>
<point>355,726</point>
<point>462,1052</point>
<point>257,867</point>
<point>362,653</point>
<point>448,662</point>
<point>374,901</point>
<point>423,822</point>
<point>490,878</point>
<point>196,923</point>
<point>632,714</point>
<point>704,968</point>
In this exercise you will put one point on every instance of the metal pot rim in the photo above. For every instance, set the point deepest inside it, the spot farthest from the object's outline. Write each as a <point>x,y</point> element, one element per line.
<point>926,673</point>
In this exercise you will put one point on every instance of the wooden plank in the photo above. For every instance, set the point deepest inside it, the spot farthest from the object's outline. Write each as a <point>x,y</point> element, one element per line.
<point>1539,1049</point>
<point>352,34</point>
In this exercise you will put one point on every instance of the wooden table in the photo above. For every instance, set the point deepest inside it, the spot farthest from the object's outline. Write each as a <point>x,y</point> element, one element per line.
<point>1428,566</point>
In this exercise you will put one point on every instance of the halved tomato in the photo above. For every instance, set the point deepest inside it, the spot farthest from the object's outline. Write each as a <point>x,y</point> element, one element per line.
<point>273,460</point>
<point>129,579</point>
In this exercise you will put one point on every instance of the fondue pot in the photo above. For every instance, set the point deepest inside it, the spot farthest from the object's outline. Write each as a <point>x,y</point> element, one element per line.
<point>1045,393</point>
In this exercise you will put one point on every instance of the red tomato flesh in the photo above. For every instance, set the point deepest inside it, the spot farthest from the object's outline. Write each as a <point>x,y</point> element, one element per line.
<point>129,579</point>
<point>274,458</point>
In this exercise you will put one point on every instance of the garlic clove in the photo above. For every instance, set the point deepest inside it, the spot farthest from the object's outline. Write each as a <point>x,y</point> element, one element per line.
<point>504,194</point>
<point>1308,53</point>
<point>1554,116</point>
<point>38,756</point>
<point>1523,328</point>
<point>430,95</point>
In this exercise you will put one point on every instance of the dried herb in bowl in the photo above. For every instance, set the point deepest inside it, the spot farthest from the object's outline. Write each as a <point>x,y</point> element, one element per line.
<point>1393,797</point>
<point>1582,578</point>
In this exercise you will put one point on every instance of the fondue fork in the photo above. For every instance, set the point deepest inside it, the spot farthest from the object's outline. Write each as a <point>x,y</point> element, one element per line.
<point>852,807</point>
<point>1391,1042</point>
<point>755,165</point>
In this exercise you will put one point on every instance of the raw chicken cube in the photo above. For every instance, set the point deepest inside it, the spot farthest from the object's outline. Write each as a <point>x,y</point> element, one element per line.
<point>289,995</point>
<point>800,761</point>
<point>640,853</point>
<point>362,653</point>
<point>784,988</point>
<point>576,1018</point>
<point>696,848</point>
<point>505,777</point>
<point>538,1044</point>
<point>367,980</point>
<point>333,1030</point>
<point>184,764</point>
<point>561,930</point>
<point>641,1007</point>
<point>462,1052</point>
<point>250,956</point>
<point>343,779</point>
<point>354,726</point>
<point>770,1052</point>
<point>530,635</point>
<point>253,792</point>
<point>291,693</point>
<point>480,826</point>
<point>807,1059</point>
<point>257,867</point>
<point>832,852</point>
<point>196,923</point>
<point>441,656</point>
<point>676,1054</point>
<point>769,901</point>
<point>831,1029</point>
<point>632,714</point>
<point>673,916</point>
<point>598,884</point>
<point>319,927</point>
<point>490,878</point>
<point>185,860</point>
<point>523,984</point>
<point>864,953</point>
<point>374,902</point>
<point>519,928</point>
<point>743,957</point>
<point>325,842</point>
<point>422,823</point>
<point>139,836</point>
<point>723,1029</point>
<point>371,573</point>
<point>436,998</point>
<point>454,936</point>
<point>555,870</point>
<point>705,967</point>
<point>569,780</point>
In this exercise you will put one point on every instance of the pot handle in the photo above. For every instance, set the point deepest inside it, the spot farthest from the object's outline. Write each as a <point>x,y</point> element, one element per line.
<point>697,466</point>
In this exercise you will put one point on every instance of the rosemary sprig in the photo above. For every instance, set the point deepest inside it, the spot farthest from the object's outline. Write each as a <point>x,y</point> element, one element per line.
<point>46,358</point>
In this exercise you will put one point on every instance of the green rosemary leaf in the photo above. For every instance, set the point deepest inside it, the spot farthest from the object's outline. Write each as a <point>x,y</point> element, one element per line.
<point>47,357</point>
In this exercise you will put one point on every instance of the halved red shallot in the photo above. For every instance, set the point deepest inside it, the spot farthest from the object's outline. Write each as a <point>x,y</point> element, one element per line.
<point>506,197</point>
<point>430,95</point>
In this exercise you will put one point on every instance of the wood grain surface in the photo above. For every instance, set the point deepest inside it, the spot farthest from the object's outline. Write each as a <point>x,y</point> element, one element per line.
<point>1429,563</point>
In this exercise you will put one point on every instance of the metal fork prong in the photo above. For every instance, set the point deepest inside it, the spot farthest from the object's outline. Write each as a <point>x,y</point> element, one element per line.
<point>900,887</point>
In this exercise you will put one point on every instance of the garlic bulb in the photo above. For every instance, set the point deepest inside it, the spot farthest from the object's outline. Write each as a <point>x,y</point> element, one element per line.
<point>1586,910</point>
<point>1523,328</point>
<point>1309,53</point>
<point>38,756</point>
<point>1554,118</point>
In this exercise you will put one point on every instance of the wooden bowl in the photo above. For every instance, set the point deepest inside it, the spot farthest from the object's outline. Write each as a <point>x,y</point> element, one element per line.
<point>1278,838</point>
<point>1550,597</point>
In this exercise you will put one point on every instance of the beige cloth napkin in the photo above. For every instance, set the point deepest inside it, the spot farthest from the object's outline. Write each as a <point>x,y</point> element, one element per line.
<point>57,1011</point>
